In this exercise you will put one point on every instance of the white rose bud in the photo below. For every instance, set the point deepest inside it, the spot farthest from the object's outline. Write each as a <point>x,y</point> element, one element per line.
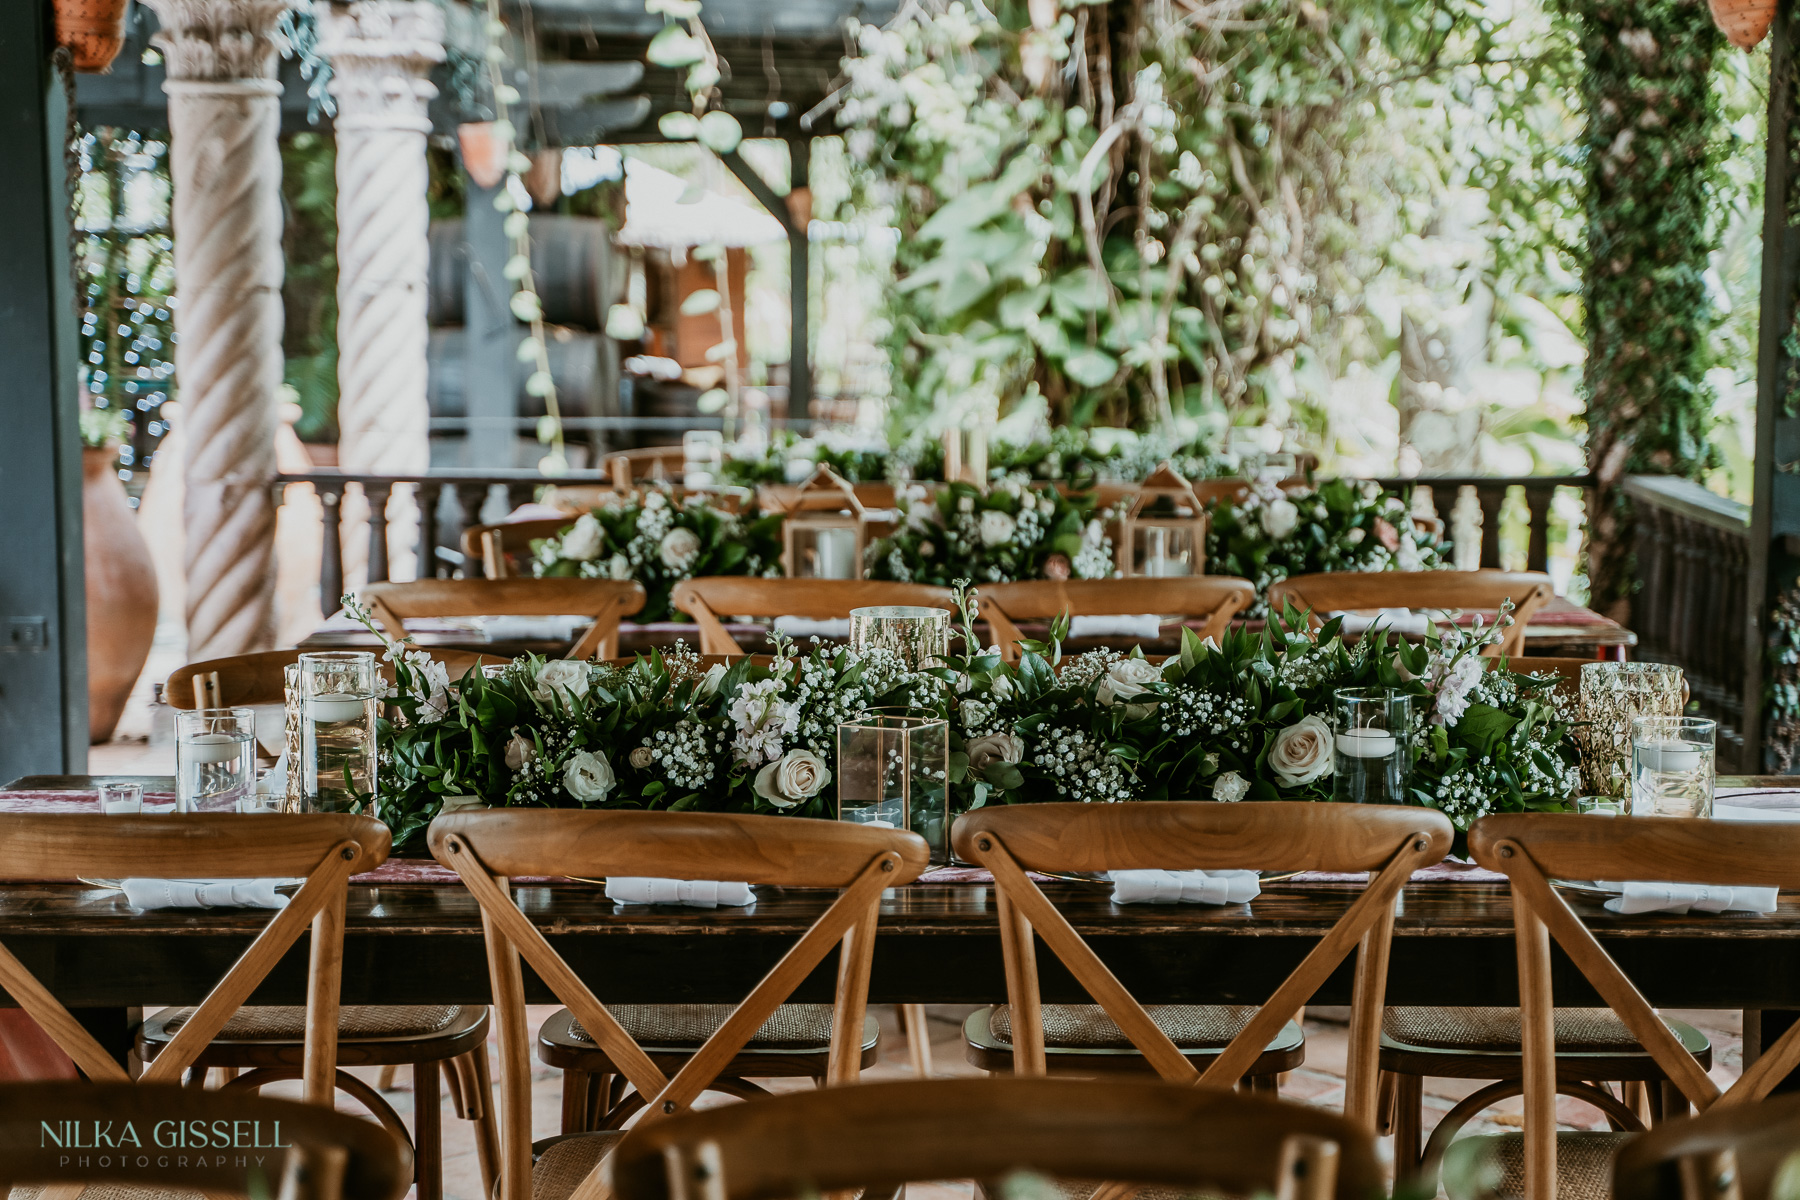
<point>679,548</point>
<point>642,757</point>
<point>1002,687</point>
<point>795,776</point>
<point>1301,753</point>
<point>519,751</point>
<point>561,678</point>
<point>588,776</point>
<point>996,527</point>
<point>1279,518</point>
<point>583,540</point>
<point>995,748</point>
<point>1355,536</point>
<point>1230,787</point>
<point>709,682</point>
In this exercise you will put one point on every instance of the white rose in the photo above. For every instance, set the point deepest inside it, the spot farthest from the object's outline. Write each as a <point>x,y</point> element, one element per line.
<point>1301,753</point>
<point>1127,678</point>
<point>995,748</point>
<point>561,677</point>
<point>795,776</point>
<point>1001,687</point>
<point>1355,536</point>
<point>679,548</point>
<point>619,567</point>
<point>519,751</point>
<point>1230,787</point>
<point>583,540</point>
<point>588,776</point>
<point>996,527</point>
<point>1095,533</point>
<point>642,757</point>
<point>709,682</point>
<point>1279,518</point>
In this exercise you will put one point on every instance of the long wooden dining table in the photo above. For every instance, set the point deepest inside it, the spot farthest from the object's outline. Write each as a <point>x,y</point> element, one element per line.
<point>938,942</point>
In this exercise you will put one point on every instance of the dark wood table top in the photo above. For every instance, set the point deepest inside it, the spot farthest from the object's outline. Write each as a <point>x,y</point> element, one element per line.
<point>421,943</point>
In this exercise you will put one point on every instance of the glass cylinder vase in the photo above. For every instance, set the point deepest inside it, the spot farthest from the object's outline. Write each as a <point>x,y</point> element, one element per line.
<point>893,770</point>
<point>1612,696</point>
<point>341,691</point>
<point>1370,751</point>
<point>215,759</point>
<point>1672,766</point>
<point>918,635</point>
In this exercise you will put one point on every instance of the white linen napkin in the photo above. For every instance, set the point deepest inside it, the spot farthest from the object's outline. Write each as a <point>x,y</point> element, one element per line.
<point>695,893</point>
<point>206,893</point>
<point>1395,620</point>
<point>1678,898</point>
<point>804,627</point>
<point>534,629</point>
<point>1741,812</point>
<point>1189,887</point>
<point>1144,625</point>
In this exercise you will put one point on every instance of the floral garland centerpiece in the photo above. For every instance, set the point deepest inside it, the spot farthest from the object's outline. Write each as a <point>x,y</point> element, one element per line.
<point>957,532</point>
<point>659,541</point>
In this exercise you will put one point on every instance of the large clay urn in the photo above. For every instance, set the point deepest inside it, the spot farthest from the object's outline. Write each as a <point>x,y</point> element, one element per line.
<point>121,591</point>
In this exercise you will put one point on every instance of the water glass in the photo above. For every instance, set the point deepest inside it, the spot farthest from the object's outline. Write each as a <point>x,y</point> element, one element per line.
<point>121,799</point>
<point>1371,750</point>
<point>341,691</point>
<point>1672,766</point>
<point>215,759</point>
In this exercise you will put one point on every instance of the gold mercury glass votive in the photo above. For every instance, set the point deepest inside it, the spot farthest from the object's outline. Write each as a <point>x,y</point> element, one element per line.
<point>917,634</point>
<point>1612,696</point>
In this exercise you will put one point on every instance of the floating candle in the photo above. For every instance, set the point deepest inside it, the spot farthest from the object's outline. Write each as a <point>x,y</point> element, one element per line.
<point>332,707</point>
<point>212,747</point>
<point>1667,756</point>
<point>1366,743</point>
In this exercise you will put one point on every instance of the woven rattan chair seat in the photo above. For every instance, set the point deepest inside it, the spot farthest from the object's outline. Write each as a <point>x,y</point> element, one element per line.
<point>107,1191</point>
<point>1583,1166</point>
<point>793,1027</point>
<point>562,1166</point>
<point>1087,1027</point>
<point>288,1024</point>
<point>1578,1030</point>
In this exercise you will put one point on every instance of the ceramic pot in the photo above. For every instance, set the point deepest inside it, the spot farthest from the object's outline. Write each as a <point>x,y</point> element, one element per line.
<point>121,592</point>
<point>93,30</point>
<point>1743,22</point>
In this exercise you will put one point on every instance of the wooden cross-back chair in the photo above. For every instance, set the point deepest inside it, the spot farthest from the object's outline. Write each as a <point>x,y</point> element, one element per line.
<point>1531,850</point>
<point>498,547</point>
<point>328,1156</point>
<point>879,1136</point>
<point>257,677</point>
<point>1389,841</point>
<point>1726,1154</point>
<point>607,601</point>
<point>324,848</point>
<point>1481,591</point>
<point>485,848</point>
<point>708,599</point>
<point>1213,598</point>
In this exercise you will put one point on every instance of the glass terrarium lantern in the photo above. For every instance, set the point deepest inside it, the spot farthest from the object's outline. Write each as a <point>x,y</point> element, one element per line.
<point>893,771</point>
<point>826,530</point>
<point>1163,532</point>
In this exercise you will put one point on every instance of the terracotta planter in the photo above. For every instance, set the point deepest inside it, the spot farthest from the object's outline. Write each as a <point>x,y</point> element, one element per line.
<point>121,592</point>
<point>1743,22</point>
<point>93,30</point>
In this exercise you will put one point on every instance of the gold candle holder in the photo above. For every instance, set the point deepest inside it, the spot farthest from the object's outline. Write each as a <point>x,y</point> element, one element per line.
<point>918,635</point>
<point>1612,696</point>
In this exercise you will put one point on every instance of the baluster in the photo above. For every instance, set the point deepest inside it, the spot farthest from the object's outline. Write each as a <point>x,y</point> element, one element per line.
<point>1649,550</point>
<point>378,494</point>
<point>470,497</point>
<point>427,494</point>
<point>331,556</point>
<point>1538,498</point>
<point>1681,594</point>
<point>1491,498</point>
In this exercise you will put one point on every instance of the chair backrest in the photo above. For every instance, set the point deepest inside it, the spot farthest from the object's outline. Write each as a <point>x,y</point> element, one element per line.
<point>323,848</point>
<point>606,600</point>
<point>257,678</point>
<point>1726,1154</point>
<point>1351,591</point>
<point>780,497</point>
<point>1533,848</point>
<point>880,1135</point>
<point>328,1155</point>
<point>484,848</point>
<point>496,546</point>
<point>708,599</point>
<point>1214,598</point>
<point>1389,841</point>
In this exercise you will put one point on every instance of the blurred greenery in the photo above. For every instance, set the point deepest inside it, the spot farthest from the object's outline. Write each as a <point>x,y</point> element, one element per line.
<point>309,291</point>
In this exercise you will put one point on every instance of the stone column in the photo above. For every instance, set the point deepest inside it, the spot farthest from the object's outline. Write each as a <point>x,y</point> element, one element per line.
<point>381,52</point>
<point>224,114</point>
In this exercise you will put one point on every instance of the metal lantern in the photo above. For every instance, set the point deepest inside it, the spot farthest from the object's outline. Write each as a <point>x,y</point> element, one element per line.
<point>826,530</point>
<point>1163,532</point>
<point>893,771</point>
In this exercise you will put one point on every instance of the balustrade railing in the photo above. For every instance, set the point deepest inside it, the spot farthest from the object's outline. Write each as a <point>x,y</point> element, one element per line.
<point>1688,608</point>
<point>1492,494</point>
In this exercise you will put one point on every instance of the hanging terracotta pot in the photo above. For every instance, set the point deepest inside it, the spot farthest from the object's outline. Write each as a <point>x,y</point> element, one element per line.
<point>121,591</point>
<point>1743,22</point>
<point>93,30</point>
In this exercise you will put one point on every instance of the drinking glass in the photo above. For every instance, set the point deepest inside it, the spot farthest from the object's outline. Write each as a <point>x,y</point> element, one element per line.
<point>1370,745</point>
<point>215,759</point>
<point>1672,766</point>
<point>341,692</point>
<point>121,799</point>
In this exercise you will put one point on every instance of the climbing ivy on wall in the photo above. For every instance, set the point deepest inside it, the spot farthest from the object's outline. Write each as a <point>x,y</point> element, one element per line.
<point>1652,146</point>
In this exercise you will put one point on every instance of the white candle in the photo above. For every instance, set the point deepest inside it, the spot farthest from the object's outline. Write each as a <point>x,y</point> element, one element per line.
<point>213,747</point>
<point>122,807</point>
<point>837,553</point>
<point>1365,743</point>
<point>336,706</point>
<point>1170,568</point>
<point>1668,756</point>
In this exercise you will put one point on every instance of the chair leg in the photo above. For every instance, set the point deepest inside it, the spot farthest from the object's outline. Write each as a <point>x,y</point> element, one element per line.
<point>1384,1104</point>
<point>428,1137</point>
<point>1409,1124</point>
<point>918,1038</point>
<point>575,1100</point>
<point>1674,1103</point>
<point>478,1089</point>
<point>385,1081</point>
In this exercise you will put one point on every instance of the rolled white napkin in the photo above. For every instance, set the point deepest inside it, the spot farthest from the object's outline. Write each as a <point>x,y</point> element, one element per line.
<point>1395,620</point>
<point>1188,887</point>
<point>1680,897</point>
<point>206,893</point>
<point>695,893</point>
<point>533,629</point>
<point>804,627</point>
<point>1145,625</point>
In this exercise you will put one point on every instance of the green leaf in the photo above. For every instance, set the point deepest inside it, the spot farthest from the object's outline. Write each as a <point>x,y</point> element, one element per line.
<point>1484,725</point>
<point>1091,368</point>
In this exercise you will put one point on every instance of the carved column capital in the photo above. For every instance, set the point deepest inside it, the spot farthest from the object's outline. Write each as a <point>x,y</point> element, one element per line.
<point>381,53</point>
<point>218,41</point>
